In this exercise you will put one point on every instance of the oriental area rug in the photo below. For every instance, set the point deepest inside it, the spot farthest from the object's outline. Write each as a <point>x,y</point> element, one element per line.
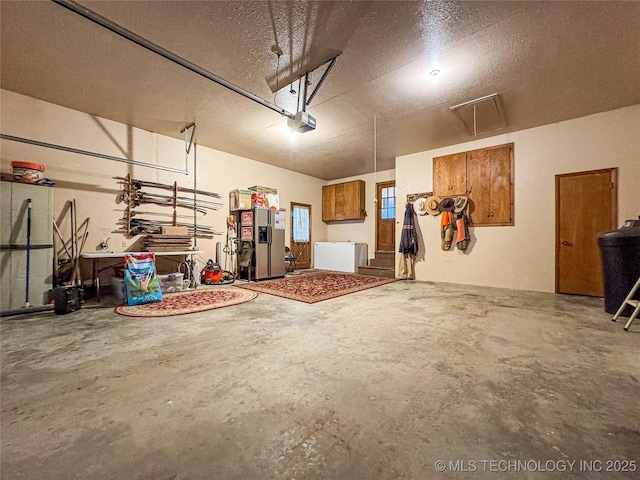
<point>316,286</point>
<point>182,303</point>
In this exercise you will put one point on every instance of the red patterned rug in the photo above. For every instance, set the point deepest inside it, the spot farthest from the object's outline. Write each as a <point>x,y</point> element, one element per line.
<point>182,303</point>
<point>316,286</point>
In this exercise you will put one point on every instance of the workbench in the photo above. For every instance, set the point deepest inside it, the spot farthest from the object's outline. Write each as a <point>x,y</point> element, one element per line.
<point>96,256</point>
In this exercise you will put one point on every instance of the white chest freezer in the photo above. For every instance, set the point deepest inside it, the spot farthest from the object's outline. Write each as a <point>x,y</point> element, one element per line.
<point>339,256</point>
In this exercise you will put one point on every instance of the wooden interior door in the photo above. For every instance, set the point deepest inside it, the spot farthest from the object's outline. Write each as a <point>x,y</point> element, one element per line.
<point>586,205</point>
<point>386,216</point>
<point>301,234</point>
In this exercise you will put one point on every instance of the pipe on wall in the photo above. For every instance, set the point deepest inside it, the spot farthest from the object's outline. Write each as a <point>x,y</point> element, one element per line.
<point>90,154</point>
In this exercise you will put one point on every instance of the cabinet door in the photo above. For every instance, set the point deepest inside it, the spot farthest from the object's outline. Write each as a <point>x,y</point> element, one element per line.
<point>353,200</point>
<point>450,175</point>
<point>340,200</point>
<point>328,203</point>
<point>13,267</point>
<point>490,182</point>
<point>501,186</point>
<point>343,201</point>
<point>479,184</point>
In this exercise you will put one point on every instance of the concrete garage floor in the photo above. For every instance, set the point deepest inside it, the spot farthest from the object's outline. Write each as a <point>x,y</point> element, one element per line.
<point>380,384</point>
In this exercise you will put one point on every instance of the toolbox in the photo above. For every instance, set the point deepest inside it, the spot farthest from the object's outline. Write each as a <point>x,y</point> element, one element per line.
<point>67,299</point>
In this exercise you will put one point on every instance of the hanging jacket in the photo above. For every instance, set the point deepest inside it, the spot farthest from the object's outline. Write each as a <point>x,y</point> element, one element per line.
<point>462,231</point>
<point>446,230</point>
<point>409,238</point>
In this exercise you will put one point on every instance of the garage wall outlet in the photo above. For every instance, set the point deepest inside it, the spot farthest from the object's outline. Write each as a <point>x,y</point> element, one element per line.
<point>124,243</point>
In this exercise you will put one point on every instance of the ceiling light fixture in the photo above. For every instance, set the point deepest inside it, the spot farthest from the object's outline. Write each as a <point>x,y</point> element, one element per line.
<point>435,76</point>
<point>291,134</point>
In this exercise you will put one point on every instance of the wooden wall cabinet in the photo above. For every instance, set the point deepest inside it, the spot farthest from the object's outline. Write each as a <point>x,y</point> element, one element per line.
<point>450,175</point>
<point>343,201</point>
<point>485,176</point>
<point>490,185</point>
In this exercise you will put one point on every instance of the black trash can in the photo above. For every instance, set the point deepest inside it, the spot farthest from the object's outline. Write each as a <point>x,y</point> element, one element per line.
<point>620,252</point>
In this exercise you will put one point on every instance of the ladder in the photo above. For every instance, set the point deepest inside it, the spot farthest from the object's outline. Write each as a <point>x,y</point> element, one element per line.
<point>629,301</point>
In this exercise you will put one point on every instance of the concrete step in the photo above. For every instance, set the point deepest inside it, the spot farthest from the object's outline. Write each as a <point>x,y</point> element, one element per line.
<point>382,262</point>
<point>383,259</point>
<point>388,272</point>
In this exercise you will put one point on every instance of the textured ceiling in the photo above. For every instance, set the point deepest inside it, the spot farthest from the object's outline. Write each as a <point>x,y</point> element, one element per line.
<point>548,61</point>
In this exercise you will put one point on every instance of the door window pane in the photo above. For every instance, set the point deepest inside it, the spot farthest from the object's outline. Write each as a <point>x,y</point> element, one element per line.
<point>300,224</point>
<point>388,203</point>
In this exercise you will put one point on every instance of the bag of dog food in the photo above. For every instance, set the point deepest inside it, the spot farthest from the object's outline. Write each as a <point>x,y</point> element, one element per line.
<point>139,260</point>
<point>142,286</point>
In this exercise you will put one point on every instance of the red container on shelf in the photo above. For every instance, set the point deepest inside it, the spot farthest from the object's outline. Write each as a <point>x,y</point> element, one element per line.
<point>258,200</point>
<point>27,172</point>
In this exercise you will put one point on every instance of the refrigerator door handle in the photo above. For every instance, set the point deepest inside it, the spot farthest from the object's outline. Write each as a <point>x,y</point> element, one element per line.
<point>269,234</point>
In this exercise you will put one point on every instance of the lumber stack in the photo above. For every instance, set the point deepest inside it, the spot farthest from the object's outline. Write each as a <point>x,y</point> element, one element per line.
<point>167,243</point>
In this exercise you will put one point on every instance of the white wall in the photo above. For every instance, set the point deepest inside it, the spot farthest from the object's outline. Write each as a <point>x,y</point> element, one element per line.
<point>361,231</point>
<point>520,257</point>
<point>89,180</point>
<point>523,256</point>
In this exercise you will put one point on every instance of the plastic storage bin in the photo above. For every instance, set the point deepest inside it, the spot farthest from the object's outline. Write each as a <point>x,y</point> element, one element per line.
<point>620,251</point>
<point>117,289</point>
<point>172,282</point>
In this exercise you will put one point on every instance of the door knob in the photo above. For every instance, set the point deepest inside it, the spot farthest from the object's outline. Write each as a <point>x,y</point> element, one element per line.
<point>565,243</point>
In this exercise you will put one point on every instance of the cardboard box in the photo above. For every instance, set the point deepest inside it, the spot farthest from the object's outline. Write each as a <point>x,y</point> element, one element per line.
<point>258,200</point>
<point>239,200</point>
<point>246,219</point>
<point>273,201</point>
<point>260,188</point>
<point>246,233</point>
<point>175,231</point>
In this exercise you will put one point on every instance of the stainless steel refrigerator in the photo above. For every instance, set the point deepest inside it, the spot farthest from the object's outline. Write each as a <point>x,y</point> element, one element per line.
<point>268,244</point>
